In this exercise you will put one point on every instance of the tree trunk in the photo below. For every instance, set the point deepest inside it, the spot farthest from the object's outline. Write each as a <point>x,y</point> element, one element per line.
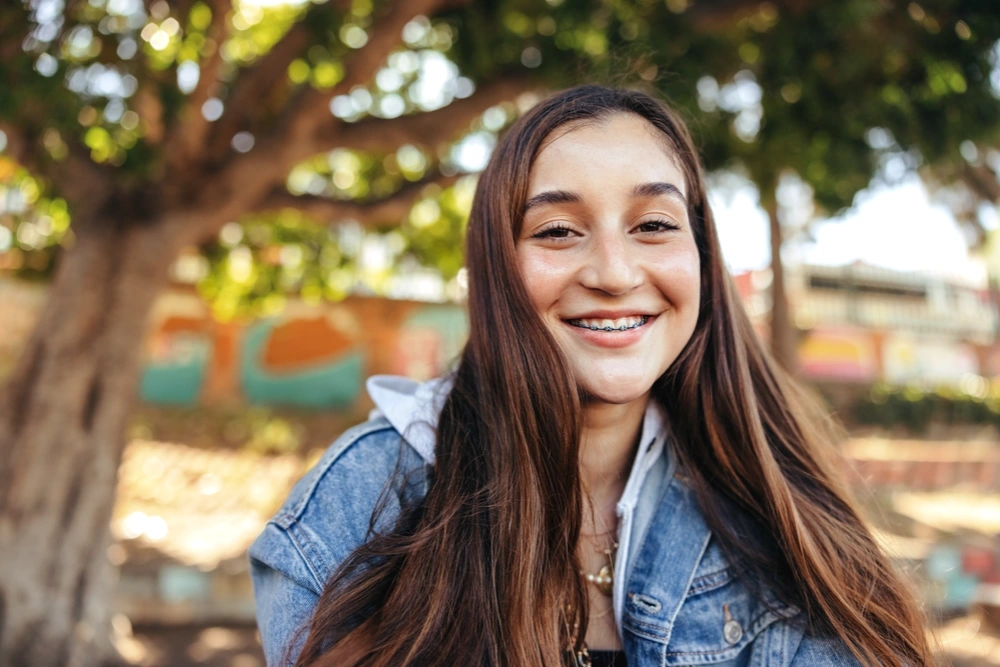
<point>993,285</point>
<point>783,343</point>
<point>62,428</point>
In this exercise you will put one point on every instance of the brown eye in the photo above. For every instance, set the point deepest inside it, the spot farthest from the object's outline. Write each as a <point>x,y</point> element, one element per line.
<point>659,225</point>
<point>557,232</point>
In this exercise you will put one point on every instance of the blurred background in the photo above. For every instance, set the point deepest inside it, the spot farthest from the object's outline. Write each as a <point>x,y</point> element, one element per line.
<point>218,217</point>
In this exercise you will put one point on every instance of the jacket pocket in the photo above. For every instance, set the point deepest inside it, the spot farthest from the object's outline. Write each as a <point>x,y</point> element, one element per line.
<point>717,622</point>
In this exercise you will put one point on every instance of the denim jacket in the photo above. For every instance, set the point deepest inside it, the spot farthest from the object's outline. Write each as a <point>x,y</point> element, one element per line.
<point>675,599</point>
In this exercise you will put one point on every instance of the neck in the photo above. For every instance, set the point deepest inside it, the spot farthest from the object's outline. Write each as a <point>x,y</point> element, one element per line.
<point>608,446</point>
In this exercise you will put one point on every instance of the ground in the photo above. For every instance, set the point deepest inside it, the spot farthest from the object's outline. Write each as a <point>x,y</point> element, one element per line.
<point>967,641</point>
<point>191,646</point>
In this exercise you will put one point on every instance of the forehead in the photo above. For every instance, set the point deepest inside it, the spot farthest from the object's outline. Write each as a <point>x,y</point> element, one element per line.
<point>620,149</point>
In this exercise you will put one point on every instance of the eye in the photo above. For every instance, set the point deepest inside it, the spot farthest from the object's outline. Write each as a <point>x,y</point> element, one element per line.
<point>657,225</point>
<point>554,232</point>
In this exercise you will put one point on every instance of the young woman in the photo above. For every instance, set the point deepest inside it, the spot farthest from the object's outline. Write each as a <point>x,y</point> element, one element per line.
<point>616,472</point>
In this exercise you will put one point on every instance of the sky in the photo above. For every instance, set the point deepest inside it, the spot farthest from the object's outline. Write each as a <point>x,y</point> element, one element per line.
<point>896,227</point>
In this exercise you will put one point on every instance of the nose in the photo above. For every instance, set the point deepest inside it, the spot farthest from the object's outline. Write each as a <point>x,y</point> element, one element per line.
<point>612,266</point>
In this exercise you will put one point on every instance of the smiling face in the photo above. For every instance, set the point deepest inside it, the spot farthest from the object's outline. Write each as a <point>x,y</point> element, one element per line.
<point>608,255</point>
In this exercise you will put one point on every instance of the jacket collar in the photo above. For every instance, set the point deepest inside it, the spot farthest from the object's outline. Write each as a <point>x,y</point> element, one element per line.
<point>413,409</point>
<point>674,543</point>
<point>651,443</point>
<point>673,539</point>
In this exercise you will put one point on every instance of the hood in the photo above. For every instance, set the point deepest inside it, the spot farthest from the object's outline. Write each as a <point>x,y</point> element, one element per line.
<point>411,407</point>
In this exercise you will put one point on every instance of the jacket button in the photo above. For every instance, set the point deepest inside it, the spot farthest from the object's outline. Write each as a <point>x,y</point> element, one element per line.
<point>732,631</point>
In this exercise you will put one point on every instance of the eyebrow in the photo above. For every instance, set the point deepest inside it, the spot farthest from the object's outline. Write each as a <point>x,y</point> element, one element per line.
<point>657,188</point>
<point>652,189</point>
<point>552,197</point>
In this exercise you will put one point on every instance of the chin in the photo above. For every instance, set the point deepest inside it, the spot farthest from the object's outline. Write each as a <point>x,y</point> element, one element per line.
<point>619,391</point>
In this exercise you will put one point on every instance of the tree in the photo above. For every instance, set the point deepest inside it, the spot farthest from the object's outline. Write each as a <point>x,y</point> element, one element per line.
<point>159,173</point>
<point>836,93</point>
<point>155,126</point>
<point>968,184</point>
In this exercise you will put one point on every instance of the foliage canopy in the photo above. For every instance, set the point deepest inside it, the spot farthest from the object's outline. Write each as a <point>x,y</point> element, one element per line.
<point>832,92</point>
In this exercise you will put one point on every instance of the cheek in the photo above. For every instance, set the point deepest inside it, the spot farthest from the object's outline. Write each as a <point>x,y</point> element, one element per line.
<point>679,278</point>
<point>544,279</point>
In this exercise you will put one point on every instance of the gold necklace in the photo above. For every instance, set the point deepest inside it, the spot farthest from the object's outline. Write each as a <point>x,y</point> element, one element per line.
<point>581,658</point>
<point>604,580</point>
<point>604,613</point>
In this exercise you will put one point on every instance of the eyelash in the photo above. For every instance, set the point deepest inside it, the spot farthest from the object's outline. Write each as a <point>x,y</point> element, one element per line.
<point>663,223</point>
<point>547,232</point>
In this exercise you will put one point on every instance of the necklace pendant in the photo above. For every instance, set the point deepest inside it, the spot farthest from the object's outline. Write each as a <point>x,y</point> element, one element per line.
<point>605,580</point>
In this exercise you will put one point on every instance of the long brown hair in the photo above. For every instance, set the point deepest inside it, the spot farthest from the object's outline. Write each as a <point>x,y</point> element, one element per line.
<point>483,571</point>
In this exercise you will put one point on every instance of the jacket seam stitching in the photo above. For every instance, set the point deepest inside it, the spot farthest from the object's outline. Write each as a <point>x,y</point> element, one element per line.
<point>643,625</point>
<point>640,632</point>
<point>318,588</point>
<point>707,581</point>
<point>668,628</point>
<point>784,643</point>
<point>294,515</point>
<point>757,626</point>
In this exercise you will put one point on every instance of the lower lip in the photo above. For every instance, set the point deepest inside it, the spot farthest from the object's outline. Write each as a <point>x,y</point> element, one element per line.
<point>612,338</point>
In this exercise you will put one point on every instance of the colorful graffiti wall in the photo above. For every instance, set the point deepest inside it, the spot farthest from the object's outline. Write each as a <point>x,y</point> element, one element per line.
<point>839,355</point>
<point>318,356</point>
<point>311,356</point>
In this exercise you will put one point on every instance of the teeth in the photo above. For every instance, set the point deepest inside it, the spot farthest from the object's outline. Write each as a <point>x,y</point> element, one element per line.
<point>621,324</point>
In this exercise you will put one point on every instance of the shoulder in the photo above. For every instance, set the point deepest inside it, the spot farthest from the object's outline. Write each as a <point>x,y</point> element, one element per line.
<point>349,474</point>
<point>823,652</point>
<point>329,511</point>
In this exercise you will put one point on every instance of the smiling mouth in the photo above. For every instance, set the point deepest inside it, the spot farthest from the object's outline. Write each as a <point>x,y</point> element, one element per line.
<point>620,324</point>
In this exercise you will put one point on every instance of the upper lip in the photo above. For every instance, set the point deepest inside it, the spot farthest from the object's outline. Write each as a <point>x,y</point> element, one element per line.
<point>610,315</point>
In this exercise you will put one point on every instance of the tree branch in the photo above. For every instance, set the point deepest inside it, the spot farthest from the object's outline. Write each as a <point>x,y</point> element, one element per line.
<point>982,182</point>
<point>15,26</point>
<point>363,64</point>
<point>264,75</point>
<point>23,146</point>
<point>70,9</point>
<point>429,128</point>
<point>179,7</point>
<point>254,82</point>
<point>242,184</point>
<point>188,135</point>
<point>86,185</point>
<point>388,210</point>
<point>384,36</point>
<point>75,176</point>
<point>711,15</point>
